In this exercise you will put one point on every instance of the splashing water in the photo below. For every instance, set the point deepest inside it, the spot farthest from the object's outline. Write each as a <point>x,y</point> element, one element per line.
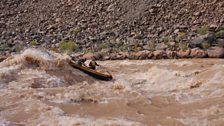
<point>39,87</point>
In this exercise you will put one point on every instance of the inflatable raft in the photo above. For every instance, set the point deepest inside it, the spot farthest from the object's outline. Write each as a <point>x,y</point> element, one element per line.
<point>99,74</point>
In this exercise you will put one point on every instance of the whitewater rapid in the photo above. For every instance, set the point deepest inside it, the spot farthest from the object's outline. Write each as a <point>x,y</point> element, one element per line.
<point>39,87</point>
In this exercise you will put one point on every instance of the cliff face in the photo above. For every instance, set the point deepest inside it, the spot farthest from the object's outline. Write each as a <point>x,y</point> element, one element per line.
<point>98,24</point>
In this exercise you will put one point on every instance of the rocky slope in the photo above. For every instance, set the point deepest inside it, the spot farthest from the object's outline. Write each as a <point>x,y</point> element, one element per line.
<point>95,25</point>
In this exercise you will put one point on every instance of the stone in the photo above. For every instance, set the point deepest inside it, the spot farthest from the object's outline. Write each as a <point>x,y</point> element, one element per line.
<point>198,53</point>
<point>89,56</point>
<point>158,54</point>
<point>161,46</point>
<point>213,27</point>
<point>117,56</point>
<point>98,56</point>
<point>113,56</point>
<point>123,54</point>
<point>171,54</point>
<point>184,53</point>
<point>150,55</point>
<point>106,57</point>
<point>198,42</point>
<point>176,31</point>
<point>215,52</point>
<point>2,57</point>
<point>131,56</point>
<point>220,42</point>
<point>197,14</point>
<point>141,55</point>
<point>220,34</point>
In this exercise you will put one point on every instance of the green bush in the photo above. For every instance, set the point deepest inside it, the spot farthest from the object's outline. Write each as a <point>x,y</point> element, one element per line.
<point>203,30</point>
<point>75,31</point>
<point>68,46</point>
<point>183,46</point>
<point>168,39</point>
<point>33,42</point>
<point>180,37</point>
<point>152,46</point>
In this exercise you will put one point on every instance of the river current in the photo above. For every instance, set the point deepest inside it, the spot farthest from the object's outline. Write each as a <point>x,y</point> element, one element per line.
<point>40,88</point>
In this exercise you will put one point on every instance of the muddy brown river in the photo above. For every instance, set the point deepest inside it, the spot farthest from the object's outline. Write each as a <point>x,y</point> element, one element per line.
<point>39,88</point>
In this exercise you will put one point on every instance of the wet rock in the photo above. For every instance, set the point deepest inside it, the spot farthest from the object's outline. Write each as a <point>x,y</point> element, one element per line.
<point>215,52</point>
<point>198,53</point>
<point>132,56</point>
<point>150,55</point>
<point>117,56</point>
<point>141,55</point>
<point>89,56</point>
<point>124,55</point>
<point>2,57</point>
<point>159,54</point>
<point>106,57</point>
<point>76,56</point>
<point>171,54</point>
<point>183,53</point>
<point>113,56</point>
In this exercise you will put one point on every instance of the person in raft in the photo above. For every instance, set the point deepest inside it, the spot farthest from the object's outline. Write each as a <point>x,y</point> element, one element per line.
<point>81,62</point>
<point>93,65</point>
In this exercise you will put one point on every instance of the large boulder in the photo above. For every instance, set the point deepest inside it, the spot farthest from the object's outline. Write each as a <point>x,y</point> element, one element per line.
<point>171,54</point>
<point>159,54</point>
<point>2,57</point>
<point>220,42</point>
<point>215,52</point>
<point>220,34</point>
<point>150,55</point>
<point>118,56</point>
<point>123,55</point>
<point>91,56</point>
<point>198,53</point>
<point>184,53</point>
<point>208,38</point>
<point>139,55</point>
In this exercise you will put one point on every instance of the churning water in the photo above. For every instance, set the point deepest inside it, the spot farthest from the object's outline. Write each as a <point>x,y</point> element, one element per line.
<point>39,87</point>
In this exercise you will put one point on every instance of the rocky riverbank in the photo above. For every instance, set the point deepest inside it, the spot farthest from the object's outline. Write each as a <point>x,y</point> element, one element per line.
<point>213,52</point>
<point>112,26</point>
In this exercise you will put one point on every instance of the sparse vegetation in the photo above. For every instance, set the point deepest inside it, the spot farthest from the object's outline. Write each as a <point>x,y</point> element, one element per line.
<point>183,46</point>
<point>33,43</point>
<point>103,46</point>
<point>206,45</point>
<point>180,37</point>
<point>168,39</point>
<point>19,48</point>
<point>152,45</point>
<point>68,46</point>
<point>203,30</point>
<point>136,47</point>
<point>123,47</point>
<point>75,31</point>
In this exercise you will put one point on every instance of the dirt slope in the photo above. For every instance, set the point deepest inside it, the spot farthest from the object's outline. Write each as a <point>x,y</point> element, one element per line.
<point>90,23</point>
